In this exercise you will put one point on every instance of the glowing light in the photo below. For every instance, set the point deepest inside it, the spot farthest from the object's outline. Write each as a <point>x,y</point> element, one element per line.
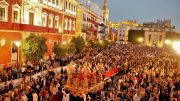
<point>140,39</point>
<point>2,42</point>
<point>63,42</point>
<point>17,43</point>
<point>178,51</point>
<point>100,41</point>
<point>176,45</point>
<point>167,42</point>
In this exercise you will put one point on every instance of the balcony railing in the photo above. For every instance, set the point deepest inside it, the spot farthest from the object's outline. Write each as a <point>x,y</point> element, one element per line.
<point>27,27</point>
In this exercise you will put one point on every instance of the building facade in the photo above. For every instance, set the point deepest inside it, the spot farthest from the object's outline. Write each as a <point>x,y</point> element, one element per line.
<point>154,38</point>
<point>123,29</point>
<point>53,19</point>
<point>89,16</point>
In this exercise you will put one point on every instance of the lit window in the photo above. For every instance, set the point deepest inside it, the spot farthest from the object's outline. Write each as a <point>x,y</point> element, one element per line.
<point>66,24</point>
<point>44,19</point>
<point>2,14</point>
<point>15,16</point>
<point>50,21</point>
<point>74,26</point>
<point>70,25</point>
<point>56,22</point>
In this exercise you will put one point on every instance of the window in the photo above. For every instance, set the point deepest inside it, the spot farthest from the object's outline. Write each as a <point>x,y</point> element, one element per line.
<point>57,2</point>
<point>53,1</point>
<point>74,26</point>
<point>50,21</point>
<point>56,22</point>
<point>72,7</point>
<point>66,5</point>
<point>66,24</point>
<point>160,39</point>
<point>15,16</point>
<point>44,19</point>
<point>70,25</point>
<point>2,14</point>
<point>16,13</point>
<point>31,18</point>
<point>69,6</point>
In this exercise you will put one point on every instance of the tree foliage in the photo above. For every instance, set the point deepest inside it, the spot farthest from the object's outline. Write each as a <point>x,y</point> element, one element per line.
<point>34,47</point>
<point>77,44</point>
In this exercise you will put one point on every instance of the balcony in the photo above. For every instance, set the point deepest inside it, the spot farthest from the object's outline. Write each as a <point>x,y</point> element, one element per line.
<point>27,27</point>
<point>69,32</point>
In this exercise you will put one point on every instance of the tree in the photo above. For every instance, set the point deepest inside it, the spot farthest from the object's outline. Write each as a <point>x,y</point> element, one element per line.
<point>77,43</point>
<point>58,51</point>
<point>34,47</point>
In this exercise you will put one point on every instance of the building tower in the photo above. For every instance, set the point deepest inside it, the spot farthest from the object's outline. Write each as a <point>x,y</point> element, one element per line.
<point>105,11</point>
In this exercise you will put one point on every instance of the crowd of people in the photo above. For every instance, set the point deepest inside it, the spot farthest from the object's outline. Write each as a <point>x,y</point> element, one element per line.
<point>149,74</point>
<point>146,74</point>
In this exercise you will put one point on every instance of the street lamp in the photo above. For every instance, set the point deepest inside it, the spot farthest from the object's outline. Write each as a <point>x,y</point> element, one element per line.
<point>2,42</point>
<point>64,43</point>
<point>100,41</point>
<point>17,43</point>
<point>140,39</point>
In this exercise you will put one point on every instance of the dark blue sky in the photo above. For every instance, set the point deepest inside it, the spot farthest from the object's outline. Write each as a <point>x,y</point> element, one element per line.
<point>144,10</point>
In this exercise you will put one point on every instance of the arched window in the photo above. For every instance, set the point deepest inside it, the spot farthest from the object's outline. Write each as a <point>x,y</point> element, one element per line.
<point>51,21</point>
<point>56,23</point>
<point>70,24</point>
<point>74,26</point>
<point>44,19</point>
<point>66,24</point>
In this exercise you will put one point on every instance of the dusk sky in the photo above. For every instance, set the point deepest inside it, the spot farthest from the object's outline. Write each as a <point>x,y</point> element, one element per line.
<point>144,10</point>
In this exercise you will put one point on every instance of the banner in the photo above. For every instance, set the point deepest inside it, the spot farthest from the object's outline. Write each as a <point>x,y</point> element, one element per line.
<point>111,72</point>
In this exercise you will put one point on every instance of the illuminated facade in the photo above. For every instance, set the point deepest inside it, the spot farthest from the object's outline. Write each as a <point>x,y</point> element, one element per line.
<point>53,19</point>
<point>154,38</point>
<point>123,29</point>
<point>87,18</point>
